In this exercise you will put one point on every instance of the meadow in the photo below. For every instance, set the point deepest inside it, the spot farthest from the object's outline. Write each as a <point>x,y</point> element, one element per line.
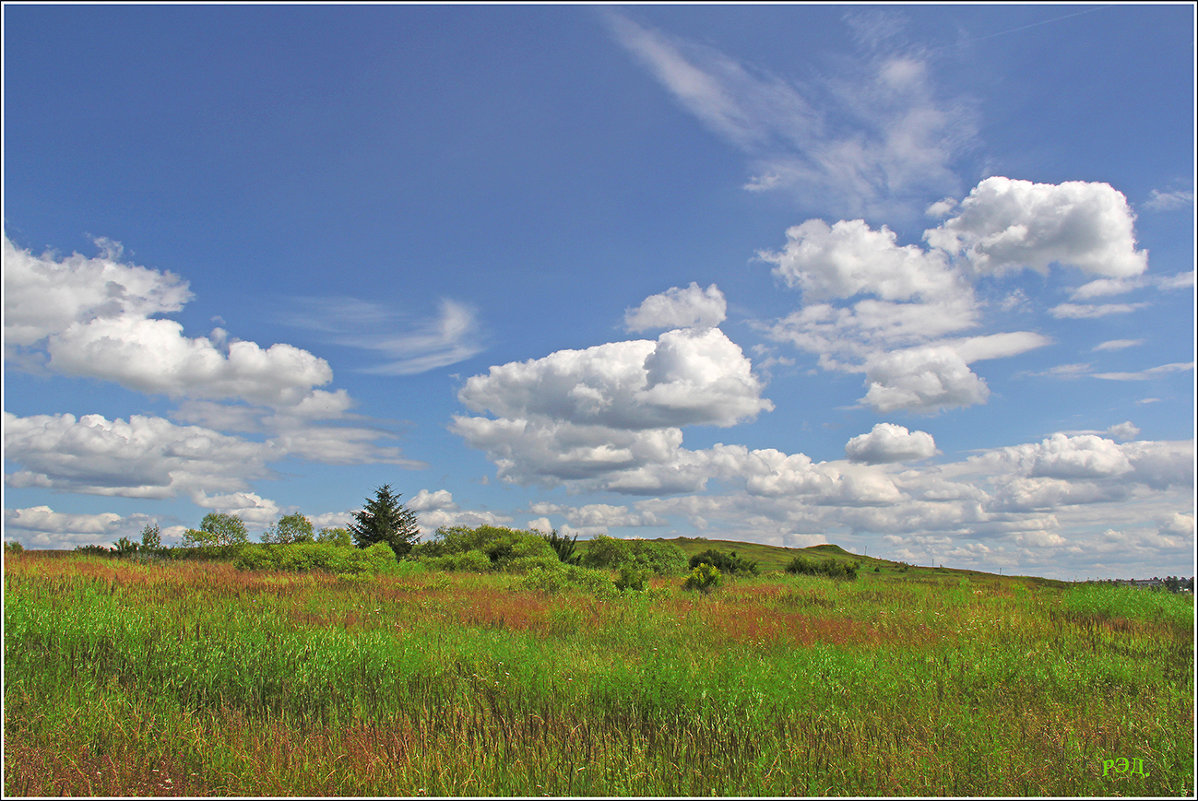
<point>127,677</point>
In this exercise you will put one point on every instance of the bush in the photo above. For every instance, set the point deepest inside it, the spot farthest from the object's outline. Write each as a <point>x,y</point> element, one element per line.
<point>470,561</point>
<point>13,547</point>
<point>703,577</point>
<point>631,578</point>
<point>124,547</point>
<point>499,548</point>
<point>524,564</point>
<point>305,556</point>
<point>564,577</point>
<point>728,563</point>
<point>604,552</point>
<point>833,568</point>
<point>207,552</point>
<point>660,558</point>
<point>255,558</point>
<point>378,558</point>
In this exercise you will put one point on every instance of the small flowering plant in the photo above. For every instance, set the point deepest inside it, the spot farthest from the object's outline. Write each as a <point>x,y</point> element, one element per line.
<point>702,578</point>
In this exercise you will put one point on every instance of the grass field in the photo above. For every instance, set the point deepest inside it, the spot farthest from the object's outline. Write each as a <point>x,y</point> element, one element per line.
<point>196,678</point>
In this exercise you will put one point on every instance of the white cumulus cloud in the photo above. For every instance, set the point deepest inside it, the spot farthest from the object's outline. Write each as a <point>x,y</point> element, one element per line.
<point>425,501</point>
<point>142,457</point>
<point>850,258</point>
<point>44,295</point>
<point>1005,225</point>
<point>610,416</point>
<point>925,379</point>
<point>888,442</point>
<point>153,356</point>
<point>43,527</point>
<point>689,307</point>
<point>1082,456</point>
<point>685,377</point>
<point>96,317</point>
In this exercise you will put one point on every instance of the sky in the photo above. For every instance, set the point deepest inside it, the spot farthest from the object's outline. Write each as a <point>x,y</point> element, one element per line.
<point>914,280</point>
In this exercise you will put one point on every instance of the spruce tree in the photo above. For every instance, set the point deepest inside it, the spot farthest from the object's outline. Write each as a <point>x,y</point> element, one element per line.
<point>385,519</point>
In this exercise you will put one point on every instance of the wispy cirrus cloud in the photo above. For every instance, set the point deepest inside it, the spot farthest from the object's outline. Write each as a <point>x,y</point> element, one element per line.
<point>1118,344</point>
<point>1147,374</point>
<point>1103,287</point>
<point>871,140</point>
<point>1090,311</point>
<point>1169,199</point>
<point>1086,370</point>
<point>451,336</point>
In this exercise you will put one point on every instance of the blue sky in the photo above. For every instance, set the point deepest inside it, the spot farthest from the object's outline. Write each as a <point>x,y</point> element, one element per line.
<point>914,280</point>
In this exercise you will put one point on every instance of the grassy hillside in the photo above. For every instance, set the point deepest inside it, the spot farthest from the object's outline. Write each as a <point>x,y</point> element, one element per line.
<point>776,557</point>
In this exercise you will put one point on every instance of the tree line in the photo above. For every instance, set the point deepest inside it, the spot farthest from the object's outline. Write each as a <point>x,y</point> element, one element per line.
<point>383,519</point>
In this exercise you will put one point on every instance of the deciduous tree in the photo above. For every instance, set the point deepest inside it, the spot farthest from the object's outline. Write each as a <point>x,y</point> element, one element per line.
<point>336,536</point>
<point>289,529</point>
<point>151,537</point>
<point>217,528</point>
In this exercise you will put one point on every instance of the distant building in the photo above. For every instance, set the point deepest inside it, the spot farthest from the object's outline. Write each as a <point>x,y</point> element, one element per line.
<point>1170,583</point>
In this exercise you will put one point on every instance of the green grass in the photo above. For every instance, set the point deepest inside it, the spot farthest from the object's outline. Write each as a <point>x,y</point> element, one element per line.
<point>193,678</point>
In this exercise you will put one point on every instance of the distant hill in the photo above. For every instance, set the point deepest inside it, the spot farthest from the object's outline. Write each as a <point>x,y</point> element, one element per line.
<point>776,557</point>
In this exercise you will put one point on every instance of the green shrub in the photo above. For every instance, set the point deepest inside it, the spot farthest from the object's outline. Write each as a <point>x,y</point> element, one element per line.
<point>255,558</point>
<point>502,549</point>
<point>124,547</point>
<point>378,558</point>
<point>545,579</point>
<point>833,568</point>
<point>524,564</point>
<point>207,552</point>
<point>604,552</point>
<point>305,556</point>
<point>728,563</point>
<point>470,561</point>
<point>631,578</point>
<point>661,558</point>
<point>13,547</point>
<point>703,577</point>
<point>565,577</point>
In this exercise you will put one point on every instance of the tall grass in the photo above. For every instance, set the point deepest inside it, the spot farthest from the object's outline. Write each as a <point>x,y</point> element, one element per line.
<point>201,679</point>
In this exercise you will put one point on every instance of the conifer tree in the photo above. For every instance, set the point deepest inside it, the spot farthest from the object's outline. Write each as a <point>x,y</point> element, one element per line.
<point>385,519</point>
